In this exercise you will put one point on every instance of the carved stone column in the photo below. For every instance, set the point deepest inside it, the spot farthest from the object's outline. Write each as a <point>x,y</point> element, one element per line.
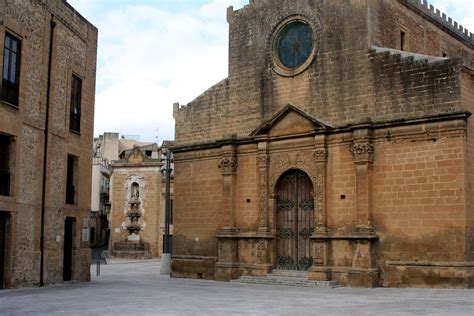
<point>363,271</point>
<point>226,268</point>
<point>228,165</point>
<point>362,151</point>
<point>319,242</point>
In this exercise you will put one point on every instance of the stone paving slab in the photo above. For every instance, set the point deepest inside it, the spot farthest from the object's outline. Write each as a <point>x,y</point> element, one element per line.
<point>137,288</point>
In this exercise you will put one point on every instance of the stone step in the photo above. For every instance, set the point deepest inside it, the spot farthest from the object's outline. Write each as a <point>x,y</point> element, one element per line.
<point>289,281</point>
<point>289,273</point>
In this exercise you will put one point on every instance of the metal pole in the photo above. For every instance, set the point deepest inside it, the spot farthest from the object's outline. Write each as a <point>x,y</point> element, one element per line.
<point>45,152</point>
<point>167,204</point>
<point>165,266</point>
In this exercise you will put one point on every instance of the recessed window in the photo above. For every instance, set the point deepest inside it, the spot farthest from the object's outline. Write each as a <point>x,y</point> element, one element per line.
<point>5,165</point>
<point>76,91</point>
<point>71,179</point>
<point>402,40</point>
<point>11,69</point>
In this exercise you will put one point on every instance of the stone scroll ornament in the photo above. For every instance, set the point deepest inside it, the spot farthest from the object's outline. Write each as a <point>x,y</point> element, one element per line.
<point>362,152</point>
<point>228,165</point>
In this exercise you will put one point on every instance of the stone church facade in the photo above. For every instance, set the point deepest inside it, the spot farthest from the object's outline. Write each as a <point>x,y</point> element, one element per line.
<point>341,143</point>
<point>46,130</point>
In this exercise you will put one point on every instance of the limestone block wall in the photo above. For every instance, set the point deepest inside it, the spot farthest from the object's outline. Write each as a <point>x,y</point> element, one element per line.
<point>427,30</point>
<point>346,83</point>
<point>74,51</point>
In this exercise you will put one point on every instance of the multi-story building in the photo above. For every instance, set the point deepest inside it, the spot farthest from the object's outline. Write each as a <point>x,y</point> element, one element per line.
<point>100,204</point>
<point>341,144</point>
<point>106,149</point>
<point>138,194</point>
<point>46,132</point>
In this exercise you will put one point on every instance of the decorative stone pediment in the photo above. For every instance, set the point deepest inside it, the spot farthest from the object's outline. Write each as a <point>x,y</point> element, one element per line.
<point>290,120</point>
<point>136,155</point>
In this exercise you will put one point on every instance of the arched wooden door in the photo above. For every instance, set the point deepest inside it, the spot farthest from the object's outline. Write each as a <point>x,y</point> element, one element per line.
<point>295,220</point>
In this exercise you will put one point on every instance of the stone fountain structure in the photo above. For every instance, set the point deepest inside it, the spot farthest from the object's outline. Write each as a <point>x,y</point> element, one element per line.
<point>133,246</point>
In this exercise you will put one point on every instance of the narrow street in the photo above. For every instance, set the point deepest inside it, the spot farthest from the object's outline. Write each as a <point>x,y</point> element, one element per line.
<point>136,288</point>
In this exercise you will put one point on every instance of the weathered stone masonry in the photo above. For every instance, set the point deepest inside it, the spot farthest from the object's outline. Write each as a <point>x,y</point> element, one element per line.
<point>74,52</point>
<point>379,125</point>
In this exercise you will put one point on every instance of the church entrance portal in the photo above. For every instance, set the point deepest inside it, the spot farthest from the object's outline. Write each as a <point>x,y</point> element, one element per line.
<point>295,220</point>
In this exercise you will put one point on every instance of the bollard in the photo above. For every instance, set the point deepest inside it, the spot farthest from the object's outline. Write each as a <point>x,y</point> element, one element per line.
<point>98,268</point>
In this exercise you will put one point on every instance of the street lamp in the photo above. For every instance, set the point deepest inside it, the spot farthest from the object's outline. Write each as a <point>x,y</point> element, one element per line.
<point>165,266</point>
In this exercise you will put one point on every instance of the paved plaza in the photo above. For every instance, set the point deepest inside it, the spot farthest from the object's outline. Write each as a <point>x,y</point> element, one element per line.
<point>136,288</point>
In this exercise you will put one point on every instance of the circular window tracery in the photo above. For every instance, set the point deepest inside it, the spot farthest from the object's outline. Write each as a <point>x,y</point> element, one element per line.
<point>294,45</point>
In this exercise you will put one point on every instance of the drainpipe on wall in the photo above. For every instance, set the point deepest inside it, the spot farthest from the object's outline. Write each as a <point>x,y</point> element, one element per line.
<point>45,150</point>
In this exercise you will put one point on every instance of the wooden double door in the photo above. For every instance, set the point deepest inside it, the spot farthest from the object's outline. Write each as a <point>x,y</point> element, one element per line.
<point>295,220</point>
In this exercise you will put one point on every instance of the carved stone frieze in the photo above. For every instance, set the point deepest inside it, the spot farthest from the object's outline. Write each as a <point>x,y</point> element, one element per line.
<point>262,207</point>
<point>262,162</point>
<point>282,163</point>
<point>228,165</point>
<point>319,195</point>
<point>261,252</point>
<point>362,152</point>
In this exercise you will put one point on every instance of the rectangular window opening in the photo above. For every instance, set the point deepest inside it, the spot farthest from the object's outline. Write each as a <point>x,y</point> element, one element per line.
<point>75,111</point>
<point>402,40</point>
<point>11,69</point>
<point>70,179</point>
<point>5,173</point>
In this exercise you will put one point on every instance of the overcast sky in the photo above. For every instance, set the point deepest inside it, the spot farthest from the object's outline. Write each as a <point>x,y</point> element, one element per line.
<point>153,53</point>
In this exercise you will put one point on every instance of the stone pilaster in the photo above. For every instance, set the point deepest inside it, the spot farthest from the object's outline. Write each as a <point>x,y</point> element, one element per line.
<point>362,153</point>
<point>228,165</point>
<point>263,164</point>
<point>319,242</point>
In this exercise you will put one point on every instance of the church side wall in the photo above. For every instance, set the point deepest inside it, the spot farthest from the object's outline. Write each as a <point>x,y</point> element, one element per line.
<point>467,88</point>
<point>198,215</point>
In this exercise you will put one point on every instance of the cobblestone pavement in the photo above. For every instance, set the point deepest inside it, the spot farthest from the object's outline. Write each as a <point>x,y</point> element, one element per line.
<point>136,288</point>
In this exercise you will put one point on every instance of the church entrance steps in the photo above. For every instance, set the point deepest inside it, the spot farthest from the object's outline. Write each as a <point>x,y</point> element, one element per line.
<point>286,277</point>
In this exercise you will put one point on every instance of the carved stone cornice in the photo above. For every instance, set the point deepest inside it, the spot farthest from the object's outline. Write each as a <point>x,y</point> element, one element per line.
<point>362,152</point>
<point>228,165</point>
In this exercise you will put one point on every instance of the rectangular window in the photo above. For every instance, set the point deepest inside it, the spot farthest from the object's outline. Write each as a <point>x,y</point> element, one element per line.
<point>402,40</point>
<point>11,69</point>
<point>4,165</point>
<point>70,180</point>
<point>75,117</point>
